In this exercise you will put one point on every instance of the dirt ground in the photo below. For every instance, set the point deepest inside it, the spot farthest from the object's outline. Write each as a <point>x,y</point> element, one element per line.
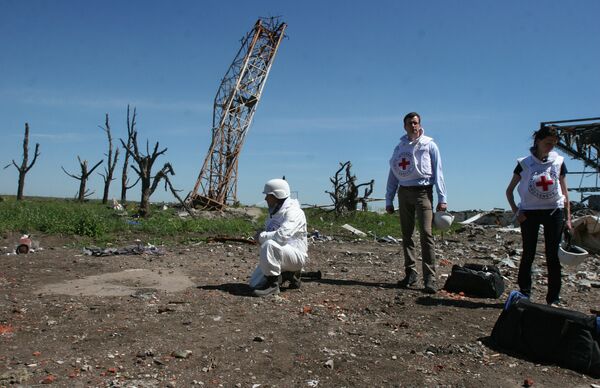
<point>184,318</point>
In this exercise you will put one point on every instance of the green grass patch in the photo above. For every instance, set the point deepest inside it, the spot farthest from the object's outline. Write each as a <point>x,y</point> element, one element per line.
<point>92,222</point>
<point>57,217</point>
<point>377,224</point>
<point>328,223</point>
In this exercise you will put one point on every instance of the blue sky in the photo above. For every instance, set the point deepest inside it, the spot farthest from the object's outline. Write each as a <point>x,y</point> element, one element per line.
<point>482,74</point>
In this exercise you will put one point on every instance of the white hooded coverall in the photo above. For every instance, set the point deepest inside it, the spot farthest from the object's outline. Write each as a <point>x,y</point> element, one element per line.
<point>283,244</point>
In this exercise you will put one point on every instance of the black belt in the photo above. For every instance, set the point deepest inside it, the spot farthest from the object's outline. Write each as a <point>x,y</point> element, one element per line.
<point>417,188</point>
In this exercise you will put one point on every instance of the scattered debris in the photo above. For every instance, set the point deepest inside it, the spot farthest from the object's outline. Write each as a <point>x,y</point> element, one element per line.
<point>6,330</point>
<point>472,219</point>
<point>181,353</point>
<point>16,376</point>
<point>317,236</point>
<point>116,206</point>
<point>137,249</point>
<point>510,229</point>
<point>98,317</point>
<point>496,217</point>
<point>507,262</point>
<point>48,379</point>
<point>389,239</point>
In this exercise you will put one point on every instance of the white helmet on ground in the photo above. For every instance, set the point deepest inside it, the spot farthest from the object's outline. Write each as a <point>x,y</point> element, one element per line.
<point>442,220</point>
<point>278,187</point>
<point>571,254</point>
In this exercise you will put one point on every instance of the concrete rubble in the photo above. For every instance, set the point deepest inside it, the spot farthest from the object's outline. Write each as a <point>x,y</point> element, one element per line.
<point>587,232</point>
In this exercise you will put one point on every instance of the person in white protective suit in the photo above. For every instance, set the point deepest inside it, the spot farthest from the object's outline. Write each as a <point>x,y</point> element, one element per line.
<point>283,243</point>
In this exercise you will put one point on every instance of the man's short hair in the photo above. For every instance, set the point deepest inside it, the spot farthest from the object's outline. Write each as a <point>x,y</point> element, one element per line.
<point>410,116</point>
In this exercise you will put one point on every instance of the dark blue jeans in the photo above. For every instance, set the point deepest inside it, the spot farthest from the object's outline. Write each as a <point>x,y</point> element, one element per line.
<point>553,221</point>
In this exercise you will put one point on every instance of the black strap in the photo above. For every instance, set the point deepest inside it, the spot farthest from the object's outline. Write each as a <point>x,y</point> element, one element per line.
<point>567,236</point>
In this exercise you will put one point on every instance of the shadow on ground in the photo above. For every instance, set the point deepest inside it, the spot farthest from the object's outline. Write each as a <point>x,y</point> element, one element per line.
<point>344,282</point>
<point>239,289</point>
<point>468,304</point>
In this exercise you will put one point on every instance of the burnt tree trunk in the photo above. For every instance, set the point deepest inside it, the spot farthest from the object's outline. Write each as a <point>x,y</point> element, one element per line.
<point>82,183</point>
<point>124,179</point>
<point>146,178</point>
<point>339,189</point>
<point>111,163</point>
<point>24,168</point>
<point>345,190</point>
<point>85,174</point>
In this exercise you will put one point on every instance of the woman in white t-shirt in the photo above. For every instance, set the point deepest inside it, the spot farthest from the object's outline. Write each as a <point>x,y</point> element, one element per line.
<point>542,187</point>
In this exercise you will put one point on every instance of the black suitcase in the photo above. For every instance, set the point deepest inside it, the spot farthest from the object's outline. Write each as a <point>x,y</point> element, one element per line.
<point>483,281</point>
<point>550,335</point>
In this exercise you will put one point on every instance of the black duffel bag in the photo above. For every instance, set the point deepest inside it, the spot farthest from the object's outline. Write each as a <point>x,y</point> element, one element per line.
<point>548,334</point>
<point>482,281</point>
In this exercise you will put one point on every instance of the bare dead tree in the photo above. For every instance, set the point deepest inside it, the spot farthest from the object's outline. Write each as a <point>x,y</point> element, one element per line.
<point>85,174</point>
<point>111,162</point>
<point>124,179</point>
<point>345,194</point>
<point>339,189</point>
<point>144,170</point>
<point>24,168</point>
<point>368,192</point>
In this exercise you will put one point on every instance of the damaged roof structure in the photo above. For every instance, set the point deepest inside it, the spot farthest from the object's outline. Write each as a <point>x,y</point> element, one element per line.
<point>580,139</point>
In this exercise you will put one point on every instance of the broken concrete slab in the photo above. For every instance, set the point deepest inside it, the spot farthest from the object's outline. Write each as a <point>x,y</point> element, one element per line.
<point>354,231</point>
<point>586,232</point>
<point>497,217</point>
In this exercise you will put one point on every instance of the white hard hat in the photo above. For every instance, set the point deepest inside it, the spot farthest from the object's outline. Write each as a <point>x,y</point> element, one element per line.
<point>278,187</point>
<point>571,254</point>
<point>442,220</point>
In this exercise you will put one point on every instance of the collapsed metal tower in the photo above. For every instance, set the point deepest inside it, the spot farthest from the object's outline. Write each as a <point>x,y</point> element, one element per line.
<point>234,107</point>
<point>580,139</point>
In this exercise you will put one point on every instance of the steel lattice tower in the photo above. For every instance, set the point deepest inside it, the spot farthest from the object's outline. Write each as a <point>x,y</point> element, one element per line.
<point>234,107</point>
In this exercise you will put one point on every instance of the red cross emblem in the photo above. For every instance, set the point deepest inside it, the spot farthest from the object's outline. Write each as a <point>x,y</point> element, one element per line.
<point>404,163</point>
<point>544,183</point>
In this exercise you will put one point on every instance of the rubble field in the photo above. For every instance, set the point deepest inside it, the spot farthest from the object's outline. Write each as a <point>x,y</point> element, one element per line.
<point>182,316</point>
